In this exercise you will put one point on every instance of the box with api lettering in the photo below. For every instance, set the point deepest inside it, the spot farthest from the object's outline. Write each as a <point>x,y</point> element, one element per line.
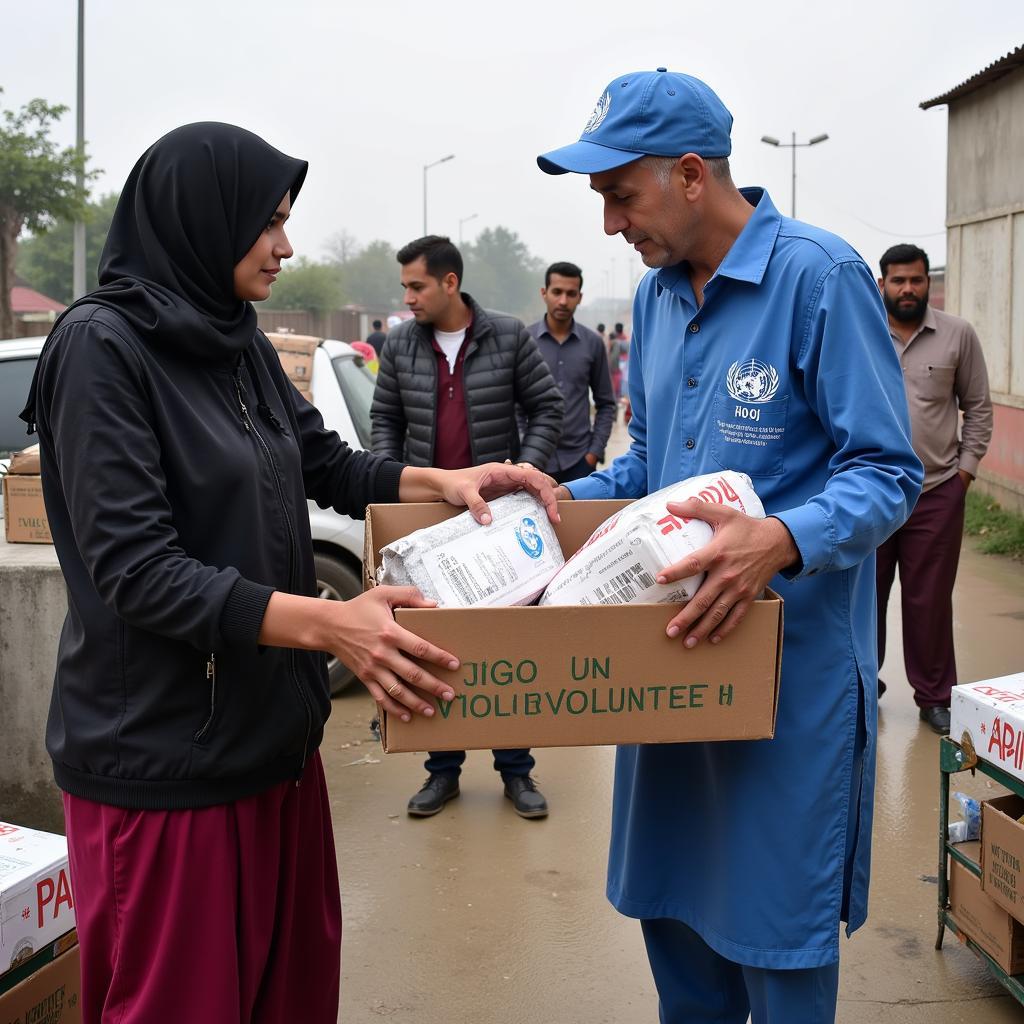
<point>36,905</point>
<point>988,717</point>
<point>579,675</point>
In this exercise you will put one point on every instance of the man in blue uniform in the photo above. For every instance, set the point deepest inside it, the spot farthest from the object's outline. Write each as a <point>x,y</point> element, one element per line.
<point>759,344</point>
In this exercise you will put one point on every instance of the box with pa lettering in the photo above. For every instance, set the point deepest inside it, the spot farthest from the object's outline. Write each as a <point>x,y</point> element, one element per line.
<point>579,675</point>
<point>36,904</point>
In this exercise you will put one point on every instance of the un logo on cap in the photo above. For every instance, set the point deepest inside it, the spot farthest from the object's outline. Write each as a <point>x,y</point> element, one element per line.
<point>604,104</point>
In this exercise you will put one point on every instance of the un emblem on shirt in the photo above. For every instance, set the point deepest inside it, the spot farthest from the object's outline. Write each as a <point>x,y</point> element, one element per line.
<point>752,381</point>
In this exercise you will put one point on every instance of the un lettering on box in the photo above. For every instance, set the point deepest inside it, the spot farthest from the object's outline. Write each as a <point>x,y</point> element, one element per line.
<point>579,675</point>
<point>36,905</point>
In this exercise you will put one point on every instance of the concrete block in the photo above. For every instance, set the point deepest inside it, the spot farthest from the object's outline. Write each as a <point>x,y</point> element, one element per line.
<point>33,604</point>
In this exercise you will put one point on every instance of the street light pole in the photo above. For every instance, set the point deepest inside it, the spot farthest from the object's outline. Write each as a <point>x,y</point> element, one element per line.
<point>793,146</point>
<point>426,167</point>
<point>78,235</point>
<point>465,220</point>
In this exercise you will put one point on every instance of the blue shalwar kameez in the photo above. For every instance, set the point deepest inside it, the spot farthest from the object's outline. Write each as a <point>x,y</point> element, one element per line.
<point>786,372</point>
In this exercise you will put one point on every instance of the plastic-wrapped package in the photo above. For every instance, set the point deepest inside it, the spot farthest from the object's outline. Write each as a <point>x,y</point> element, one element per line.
<point>462,564</point>
<point>970,827</point>
<point>621,560</point>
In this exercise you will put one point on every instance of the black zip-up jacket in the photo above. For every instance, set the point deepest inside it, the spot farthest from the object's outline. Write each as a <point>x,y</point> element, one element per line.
<point>503,369</point>
<point>176,495</point>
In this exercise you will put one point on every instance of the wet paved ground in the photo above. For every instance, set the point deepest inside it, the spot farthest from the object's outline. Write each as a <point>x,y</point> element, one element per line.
<point>478,916</point>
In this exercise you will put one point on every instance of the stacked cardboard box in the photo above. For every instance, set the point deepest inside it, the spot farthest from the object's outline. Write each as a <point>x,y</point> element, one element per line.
<point>1002,853</point>
<point>296,352</point>
<point>579,675</point>
<point>39,964</point>
<point>25,519</point>
<point>980,918</point>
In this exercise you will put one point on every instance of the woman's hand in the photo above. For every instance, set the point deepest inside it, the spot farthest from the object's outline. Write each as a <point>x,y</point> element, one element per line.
<point>363,633</point>
<point>380,652</point>
<point>472,487</point>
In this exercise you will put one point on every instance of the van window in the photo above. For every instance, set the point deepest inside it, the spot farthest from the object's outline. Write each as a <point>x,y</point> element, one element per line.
<point>15,379</point>
<point>357,384</point>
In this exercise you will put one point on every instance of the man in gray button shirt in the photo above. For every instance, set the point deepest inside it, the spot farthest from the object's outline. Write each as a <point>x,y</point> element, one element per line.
<point>944,374</point>
<point>578,361</point>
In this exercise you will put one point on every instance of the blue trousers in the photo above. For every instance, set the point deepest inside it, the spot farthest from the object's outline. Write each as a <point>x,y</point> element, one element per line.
<point>698,986</point>
<point>508,762</point>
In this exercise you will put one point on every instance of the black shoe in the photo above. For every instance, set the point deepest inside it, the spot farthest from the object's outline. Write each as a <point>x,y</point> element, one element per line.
<point>937,719</point>
<point>528,801</point>
<point>439,788</point>
<point>881,688</point>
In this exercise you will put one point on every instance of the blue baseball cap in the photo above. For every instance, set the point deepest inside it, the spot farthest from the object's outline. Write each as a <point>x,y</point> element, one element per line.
<point>647,113</point>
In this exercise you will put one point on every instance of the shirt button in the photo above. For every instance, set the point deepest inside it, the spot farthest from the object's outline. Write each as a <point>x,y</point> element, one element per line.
<point>694,328</point>
<point>691,382</point>
<point>690,443</point>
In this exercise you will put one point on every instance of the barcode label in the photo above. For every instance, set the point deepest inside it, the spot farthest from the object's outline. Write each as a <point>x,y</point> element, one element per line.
<point>621,589</point>
<point>461,584</point>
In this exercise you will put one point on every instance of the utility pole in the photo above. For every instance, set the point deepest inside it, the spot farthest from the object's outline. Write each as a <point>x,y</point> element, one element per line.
<point>793,146</point>
<point>426,167</point>
<point>78,259</point>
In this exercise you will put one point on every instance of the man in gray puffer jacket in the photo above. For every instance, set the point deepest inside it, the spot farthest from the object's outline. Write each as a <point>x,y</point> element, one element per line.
<point>447,390</point>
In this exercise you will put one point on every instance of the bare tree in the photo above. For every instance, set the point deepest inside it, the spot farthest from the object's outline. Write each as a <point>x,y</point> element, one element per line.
<point>342,247</point>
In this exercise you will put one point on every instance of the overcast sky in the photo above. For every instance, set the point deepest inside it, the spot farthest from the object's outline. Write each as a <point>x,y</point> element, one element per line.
<point>369,93</point>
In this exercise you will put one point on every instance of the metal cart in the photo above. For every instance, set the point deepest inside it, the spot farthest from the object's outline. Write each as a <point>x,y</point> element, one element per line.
<point>956,758</point>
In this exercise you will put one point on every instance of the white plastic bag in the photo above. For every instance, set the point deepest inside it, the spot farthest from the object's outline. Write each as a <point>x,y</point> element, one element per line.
<point>462,564</point>
<point>620,562</point>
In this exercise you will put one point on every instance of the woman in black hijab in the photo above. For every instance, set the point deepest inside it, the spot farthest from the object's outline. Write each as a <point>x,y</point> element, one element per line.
<point>190,692</point>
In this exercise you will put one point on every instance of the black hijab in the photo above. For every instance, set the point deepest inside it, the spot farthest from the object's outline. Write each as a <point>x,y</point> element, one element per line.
<point>192,207</point>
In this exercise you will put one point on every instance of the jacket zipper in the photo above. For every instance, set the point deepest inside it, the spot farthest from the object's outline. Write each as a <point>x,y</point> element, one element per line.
<point>269,456</point>
<point>211,676</point>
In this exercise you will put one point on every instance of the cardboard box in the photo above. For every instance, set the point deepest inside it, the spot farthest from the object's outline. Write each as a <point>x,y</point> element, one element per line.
<point>52,995</point>
<point>1002,853</point>
<point>981,919</point>
<point>296,353</point>
<point>26,461</point>
<point>49,953</point>
<point>579,676</point>
<point>25,519</point>
<point>36,905</point>
<point>988,717</point>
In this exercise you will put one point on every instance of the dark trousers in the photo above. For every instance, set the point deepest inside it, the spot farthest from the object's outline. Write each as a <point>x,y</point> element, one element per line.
<point>696,985</point>
<point>927,551</point>
<point>509,762</point>
<point>577,472</point>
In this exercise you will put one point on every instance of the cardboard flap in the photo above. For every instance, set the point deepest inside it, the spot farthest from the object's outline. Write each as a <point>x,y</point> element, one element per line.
<point>26,461</point>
